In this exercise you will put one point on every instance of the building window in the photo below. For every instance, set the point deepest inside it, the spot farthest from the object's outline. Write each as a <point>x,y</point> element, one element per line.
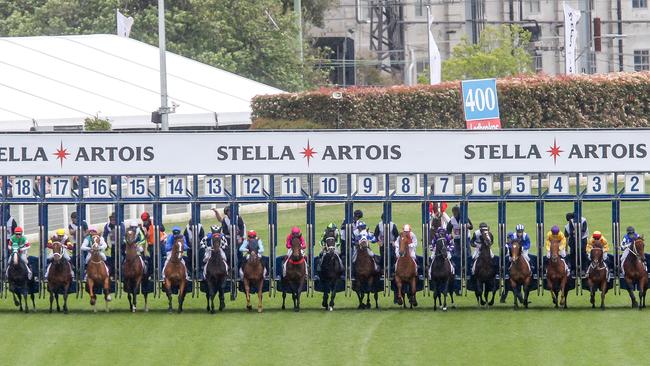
<point>363,11</point>
<point>639,4</point>
<point>419,8</point>
<point>534,6</point>
<point>537,62</point>
<point>641,60</point>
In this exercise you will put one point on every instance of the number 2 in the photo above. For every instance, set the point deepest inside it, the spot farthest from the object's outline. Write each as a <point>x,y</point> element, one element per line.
<point>635,184</point>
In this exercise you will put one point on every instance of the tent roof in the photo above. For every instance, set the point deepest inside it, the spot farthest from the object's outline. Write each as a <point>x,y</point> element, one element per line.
<point>60,80</point>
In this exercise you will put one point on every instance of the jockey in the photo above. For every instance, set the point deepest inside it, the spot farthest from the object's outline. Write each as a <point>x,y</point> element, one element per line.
<point>215,238</point>
<point>19,243</point>
<point>437,210</point>
<point>86,246</point>
<point>441,234</point>
<point>596,237</point>
<point>412,246</point>
<point>169,245</point>
<point>379,234</point>
<point>65,243</point>
<point>454,228</point>
<point>523,238</point>
<point>331,231</point>
<point>141,239</point>
<point>477,242</point>
<point>626,243</point>
<point>555,234</point>
<point>295,233</point>
<point>251,244</point>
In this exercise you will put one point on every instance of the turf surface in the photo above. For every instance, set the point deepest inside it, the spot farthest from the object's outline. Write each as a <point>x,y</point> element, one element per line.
<point>346,336</point>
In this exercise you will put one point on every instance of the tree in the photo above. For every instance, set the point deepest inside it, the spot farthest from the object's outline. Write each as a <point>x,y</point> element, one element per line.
<point>313,11</point>
<point>97,124</point>
<point>252,38</point>
<point>500,52</point>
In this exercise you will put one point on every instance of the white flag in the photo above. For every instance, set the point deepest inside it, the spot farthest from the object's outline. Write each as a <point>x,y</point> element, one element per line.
<point>123,24</point>
<point>435,65</point>
<point>571,17</point>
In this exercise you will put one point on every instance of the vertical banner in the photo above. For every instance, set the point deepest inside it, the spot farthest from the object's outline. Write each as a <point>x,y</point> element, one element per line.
<point>571,17</point>
<point>435,66</point>
<point>124,24</point>
<point>481,104</point>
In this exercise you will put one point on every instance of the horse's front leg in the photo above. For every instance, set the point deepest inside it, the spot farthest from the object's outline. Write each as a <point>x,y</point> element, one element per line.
<point>515,292</point>
<point>592,293</point>
<point>51,300</point>
<point>603,292</point>
<point>91,291</point>
<point>260,294</point>
<point>181,296</point>
<point>563,294</point>
<point>26,303</point>
<point>247,289</point>
<point>400,299</point>
<point>168,290</point>
<point>494,289</point>
<point>332,295</point>
<point>107,292</point>
<point>413,299</point>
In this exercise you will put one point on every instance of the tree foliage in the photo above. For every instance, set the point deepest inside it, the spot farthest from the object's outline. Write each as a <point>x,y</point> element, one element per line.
<point>500,52</point>
<point>253,38</point>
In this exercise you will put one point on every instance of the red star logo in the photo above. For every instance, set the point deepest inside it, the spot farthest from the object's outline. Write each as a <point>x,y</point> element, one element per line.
<point>308,152</point>
<point>61,153</point>
<point>554,151</point>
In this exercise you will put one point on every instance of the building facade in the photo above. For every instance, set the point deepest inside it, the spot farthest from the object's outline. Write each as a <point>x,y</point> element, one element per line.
<point>392,34</point>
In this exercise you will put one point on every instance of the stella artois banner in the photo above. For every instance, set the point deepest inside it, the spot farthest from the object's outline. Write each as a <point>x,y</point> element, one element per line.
<point>378,152</point>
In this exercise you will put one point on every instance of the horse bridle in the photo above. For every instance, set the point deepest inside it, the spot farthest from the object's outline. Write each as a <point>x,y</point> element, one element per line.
<point>633,251</point>
<point>442,252</point>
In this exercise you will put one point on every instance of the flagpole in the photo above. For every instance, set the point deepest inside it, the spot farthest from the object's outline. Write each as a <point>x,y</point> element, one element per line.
<point>164,110</point>
<point>429,43</point>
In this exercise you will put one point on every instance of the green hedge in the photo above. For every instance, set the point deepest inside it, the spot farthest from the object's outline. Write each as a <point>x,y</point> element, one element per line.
<point>607,100</point>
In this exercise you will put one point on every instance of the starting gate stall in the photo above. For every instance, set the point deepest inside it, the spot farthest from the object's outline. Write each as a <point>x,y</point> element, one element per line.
<point>483,191</point>
<point>629,208</point>
<point>446,188</point>
<point>316,168</point>
<point>250,189</point>
<point>23,190</point>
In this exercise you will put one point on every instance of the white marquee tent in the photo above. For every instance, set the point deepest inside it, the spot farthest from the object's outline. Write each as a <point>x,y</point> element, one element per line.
<point>61,80</point>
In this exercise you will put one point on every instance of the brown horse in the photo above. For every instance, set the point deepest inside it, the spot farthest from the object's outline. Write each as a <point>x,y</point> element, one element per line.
<point>405,272</point>
<point>556,275</point>
<point>520,274</point>
<point>635,272</point>
<point>597,278</point>
<point>367,277</point>
<point>295,274</point>
<point>59,277</point>
<point>175,274</point>
<point>134,271</point>
<point>253,274</point>
<point>96,274</point>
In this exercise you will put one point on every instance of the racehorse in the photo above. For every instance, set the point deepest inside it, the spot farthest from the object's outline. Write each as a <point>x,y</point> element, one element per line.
<point>215,278</point>
<point>441,275</point>
<point>330,272</point>
<point>134,271</point>
<point>556,275</point>
<point>484,274</point>
<point>367,277</point>
<point>295,274</point>
<point>253,274</point>
<point>19,281</point>
<point>405,272</point>
<point>175,274</point>
<point>597,278</point>
<point>59,277</point>
<point>96,275</point>
<point>635,272</point>
<point>520,274</point>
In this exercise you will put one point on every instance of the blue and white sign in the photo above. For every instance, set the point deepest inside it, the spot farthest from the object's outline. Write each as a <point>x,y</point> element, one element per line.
<point>481,104</point>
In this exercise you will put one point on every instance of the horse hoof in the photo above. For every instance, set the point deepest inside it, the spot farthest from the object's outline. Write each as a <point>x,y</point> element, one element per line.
<point>146,309</point>
<point>444,308</point>
<point>361,307</point>
<point>249,307</point>
<point>212,311</point>
<point>50,311</point>
<point>296,310</point>
<point>330,308</point>
<point>65,311</point>
<point>282,307</point>
<point>221,307</point>
<point>324,304</point>
<point>16,303</point>
<point>491,303</point>
<point>415,304</point>
<point>170,310</point>
<point>400,302</point>
<point>133,310</point>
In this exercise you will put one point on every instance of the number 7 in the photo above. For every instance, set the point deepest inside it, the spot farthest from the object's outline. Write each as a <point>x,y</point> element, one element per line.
<point>445,180</point>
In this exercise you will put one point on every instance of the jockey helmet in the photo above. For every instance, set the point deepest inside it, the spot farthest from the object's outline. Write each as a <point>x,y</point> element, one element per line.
<point>520,227</point>
<point>331,226</point>
<point>215,229</point>
<point>358,214</point>
<point>145,216</point>
<point>133,223</point>
<point>60,232</point>
<point>295,230</point>
<point>555,230</point>
<point>630,230</point>
<point>176,230</point>
<point>92,229</point>
<point>19,230</point>
<point>597,235</point>
<point>361,225</point>
<point>483,227</point>
<point>252,234</point>
<point>569,216</point>
<point>407,228</point>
